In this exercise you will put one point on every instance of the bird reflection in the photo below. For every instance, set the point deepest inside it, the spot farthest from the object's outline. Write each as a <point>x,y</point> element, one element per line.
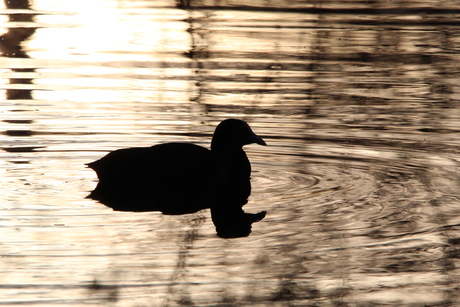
<point>180,178</point>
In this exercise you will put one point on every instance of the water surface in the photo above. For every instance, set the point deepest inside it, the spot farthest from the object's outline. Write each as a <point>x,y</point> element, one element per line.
<point>357,101</point>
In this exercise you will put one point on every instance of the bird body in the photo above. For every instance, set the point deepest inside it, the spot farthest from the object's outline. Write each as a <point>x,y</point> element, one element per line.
<point>172,178</point>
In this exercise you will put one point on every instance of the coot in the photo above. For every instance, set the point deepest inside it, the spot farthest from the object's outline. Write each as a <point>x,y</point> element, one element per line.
<point>179,178</point>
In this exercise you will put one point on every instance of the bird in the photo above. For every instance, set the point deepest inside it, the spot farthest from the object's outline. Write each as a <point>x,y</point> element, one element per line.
<point>181,178</point>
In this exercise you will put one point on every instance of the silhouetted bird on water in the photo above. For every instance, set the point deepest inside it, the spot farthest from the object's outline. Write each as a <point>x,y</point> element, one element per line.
<point>179,178</point>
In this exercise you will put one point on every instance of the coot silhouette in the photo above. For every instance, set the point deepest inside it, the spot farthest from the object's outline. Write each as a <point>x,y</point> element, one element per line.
<point>180,178</point>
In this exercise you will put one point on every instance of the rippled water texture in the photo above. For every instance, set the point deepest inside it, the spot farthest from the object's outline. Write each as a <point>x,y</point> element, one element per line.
<point>359,104</point>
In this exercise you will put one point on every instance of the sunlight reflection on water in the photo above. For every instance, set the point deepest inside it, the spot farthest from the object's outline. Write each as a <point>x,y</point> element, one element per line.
<point>358,105</point>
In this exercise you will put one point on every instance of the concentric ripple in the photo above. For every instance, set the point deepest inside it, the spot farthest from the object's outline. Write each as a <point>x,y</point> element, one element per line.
<point>332,210</point>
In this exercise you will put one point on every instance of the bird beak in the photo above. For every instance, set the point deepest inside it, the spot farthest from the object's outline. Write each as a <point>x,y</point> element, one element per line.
<point>253,138</point>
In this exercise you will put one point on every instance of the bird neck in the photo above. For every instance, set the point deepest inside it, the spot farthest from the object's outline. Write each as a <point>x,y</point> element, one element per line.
<point>221,148</point>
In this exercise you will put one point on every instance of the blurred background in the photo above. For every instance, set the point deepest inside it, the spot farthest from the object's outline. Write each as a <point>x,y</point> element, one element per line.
<point>359,104</point>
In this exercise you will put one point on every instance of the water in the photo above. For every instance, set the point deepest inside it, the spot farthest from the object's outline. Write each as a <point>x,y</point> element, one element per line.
<point>358,102</point>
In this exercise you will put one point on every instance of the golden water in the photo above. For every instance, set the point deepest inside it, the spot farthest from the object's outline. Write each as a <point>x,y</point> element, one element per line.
<point>358,102</point>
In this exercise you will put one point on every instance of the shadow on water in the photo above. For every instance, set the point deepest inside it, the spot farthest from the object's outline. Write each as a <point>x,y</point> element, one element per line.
<point>180,178</point>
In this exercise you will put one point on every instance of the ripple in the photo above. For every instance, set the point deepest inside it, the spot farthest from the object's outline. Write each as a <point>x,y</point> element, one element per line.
<point>360,179</point>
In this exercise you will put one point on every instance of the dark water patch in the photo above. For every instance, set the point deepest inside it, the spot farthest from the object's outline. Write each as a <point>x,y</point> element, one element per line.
<point>333,11</point>
<point>18,121</point>
<point>22,148</point>
<point>19,133</point>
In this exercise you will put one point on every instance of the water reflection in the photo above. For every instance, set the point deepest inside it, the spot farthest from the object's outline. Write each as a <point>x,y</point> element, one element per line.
<point>10,46</point>
<point>358,102</point>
